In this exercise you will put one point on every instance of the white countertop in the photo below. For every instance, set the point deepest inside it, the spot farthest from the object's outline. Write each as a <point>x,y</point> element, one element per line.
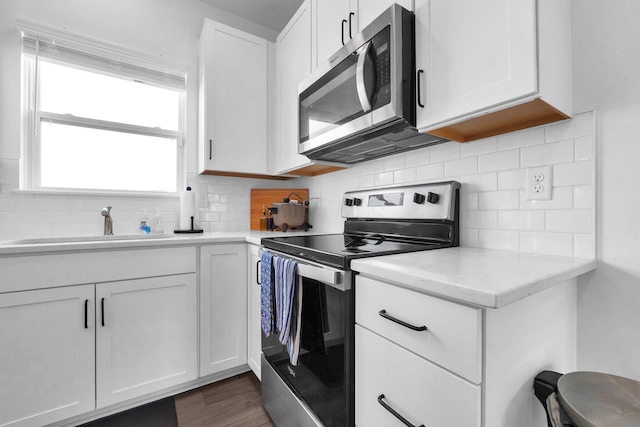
<point>481,277</point>
<point>46,245</point>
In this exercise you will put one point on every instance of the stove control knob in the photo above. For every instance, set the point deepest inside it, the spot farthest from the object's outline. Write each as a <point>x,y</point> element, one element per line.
<point>348,202</point>
<point>419,198</point>
<point>433,198</point>
<point>357,202</point>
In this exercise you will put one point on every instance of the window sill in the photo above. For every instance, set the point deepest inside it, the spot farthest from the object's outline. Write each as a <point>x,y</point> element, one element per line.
<point>69,192</point>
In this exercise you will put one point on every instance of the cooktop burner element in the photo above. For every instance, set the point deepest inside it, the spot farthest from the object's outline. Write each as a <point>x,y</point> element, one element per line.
<point>382,222</point>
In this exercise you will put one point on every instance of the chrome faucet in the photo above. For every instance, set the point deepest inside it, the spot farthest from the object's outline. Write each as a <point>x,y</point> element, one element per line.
<point>108,221</point>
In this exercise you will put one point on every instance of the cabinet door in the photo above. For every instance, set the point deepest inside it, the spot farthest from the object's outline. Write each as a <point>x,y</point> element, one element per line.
<point>223,307</point>
<point>233,100</point>
<point>474,56</point>
<point>368,10</point>
<point>146,337</point>
<point>47,355</point>
<point>293,64</point>
<point>331,20</point>
<point>254,335</point>
<point>421,392</point>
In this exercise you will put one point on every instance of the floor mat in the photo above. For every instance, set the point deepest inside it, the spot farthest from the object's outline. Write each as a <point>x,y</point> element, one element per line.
<point>161,413</point>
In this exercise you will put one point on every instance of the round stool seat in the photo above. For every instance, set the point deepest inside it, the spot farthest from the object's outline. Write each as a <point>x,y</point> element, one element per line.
<point>593,399</point>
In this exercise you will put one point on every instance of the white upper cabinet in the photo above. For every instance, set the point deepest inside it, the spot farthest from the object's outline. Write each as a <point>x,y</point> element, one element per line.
<point>337,21</point>
<point>334,24</point>
<point>233,96</point>
<point>368,10</point>
<point>491,67</point>
<point>293,64</point>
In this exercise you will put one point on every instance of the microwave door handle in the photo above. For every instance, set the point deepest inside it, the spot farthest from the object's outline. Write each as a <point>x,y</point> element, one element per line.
<point>360,84</point>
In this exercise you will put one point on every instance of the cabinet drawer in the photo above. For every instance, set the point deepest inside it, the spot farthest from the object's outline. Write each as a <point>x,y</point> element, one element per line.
<point>416,389</point>
<point>453,336</point>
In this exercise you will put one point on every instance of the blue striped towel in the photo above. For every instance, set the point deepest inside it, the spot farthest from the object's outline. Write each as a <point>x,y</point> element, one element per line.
<point>288,295</point>
<point>266,294</point>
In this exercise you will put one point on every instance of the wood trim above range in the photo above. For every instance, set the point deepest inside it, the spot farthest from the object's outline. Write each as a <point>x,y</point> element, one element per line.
<point>533,113</point>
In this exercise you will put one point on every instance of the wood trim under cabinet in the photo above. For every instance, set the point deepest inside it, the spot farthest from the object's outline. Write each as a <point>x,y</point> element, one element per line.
<point>533,113</point>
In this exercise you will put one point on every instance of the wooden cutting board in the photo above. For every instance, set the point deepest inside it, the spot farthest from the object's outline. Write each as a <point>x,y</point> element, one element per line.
<point>264,197</point>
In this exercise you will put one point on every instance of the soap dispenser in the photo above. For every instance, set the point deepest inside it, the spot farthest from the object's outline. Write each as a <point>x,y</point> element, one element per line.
<point>145,225</point>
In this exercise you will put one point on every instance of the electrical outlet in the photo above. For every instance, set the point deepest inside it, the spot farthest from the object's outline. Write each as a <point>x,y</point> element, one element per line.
<point>539,183</point>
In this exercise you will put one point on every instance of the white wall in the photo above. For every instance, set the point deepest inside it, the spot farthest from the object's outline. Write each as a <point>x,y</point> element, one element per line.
<point>607,78</point>
<point>164,29</point>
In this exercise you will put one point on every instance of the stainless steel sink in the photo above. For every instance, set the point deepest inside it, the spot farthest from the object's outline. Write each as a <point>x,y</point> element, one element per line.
<point>82,239</point>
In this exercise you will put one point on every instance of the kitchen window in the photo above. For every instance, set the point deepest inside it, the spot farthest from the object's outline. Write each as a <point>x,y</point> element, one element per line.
<point>99,119</point>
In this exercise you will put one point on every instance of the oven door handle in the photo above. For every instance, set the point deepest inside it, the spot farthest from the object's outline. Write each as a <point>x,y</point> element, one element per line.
<point>320,274</point>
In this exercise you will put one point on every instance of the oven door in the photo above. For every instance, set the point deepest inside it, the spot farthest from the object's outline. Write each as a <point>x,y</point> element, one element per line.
<point>319,391</point>
<point>341,101</point>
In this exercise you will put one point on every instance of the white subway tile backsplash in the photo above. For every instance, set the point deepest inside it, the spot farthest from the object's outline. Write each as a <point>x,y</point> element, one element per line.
<point>465,166</point>
<point>416,158</point>
<point>404,176</point>
<point>480,219</point>
<point>561,198</point>
<point>578,173</point>
<point>499,200</point>
<point>503,160</point>
<point>469,237</point>
<point>499,239</point>
<point>521,139</point>
<point>383,178</point>
<point>481,146</point>
<point>373,167</point>
<point>521,220</point>
<point>393,163</point>
<point>580,125</point>
<point>366,181</point>
<point>584,246</point>
<point>573,221</point>
<point>547,243</point>
<point>445,151</point>
<point>428,172</point>
<point>512,179</point>
<point>583,197</point>
<point>547,154</point>
<point>584,148</point>
<point>479,182</point>
<point>469,201</point>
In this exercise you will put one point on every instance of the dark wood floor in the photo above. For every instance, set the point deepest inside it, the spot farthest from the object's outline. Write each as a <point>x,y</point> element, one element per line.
<point>234,402</point>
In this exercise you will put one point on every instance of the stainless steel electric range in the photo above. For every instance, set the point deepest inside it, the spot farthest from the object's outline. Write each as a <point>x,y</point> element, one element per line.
<point>319,390</point>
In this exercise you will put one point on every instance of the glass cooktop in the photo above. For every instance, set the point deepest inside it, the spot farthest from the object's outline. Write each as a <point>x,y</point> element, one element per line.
<point>337,250</point>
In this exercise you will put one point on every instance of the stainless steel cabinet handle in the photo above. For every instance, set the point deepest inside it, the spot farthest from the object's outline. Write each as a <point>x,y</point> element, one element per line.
<point>86,315</point>
<point>420,104</point>
<point>394,413</point>
<point>384,314</point>
<point>210,149</point>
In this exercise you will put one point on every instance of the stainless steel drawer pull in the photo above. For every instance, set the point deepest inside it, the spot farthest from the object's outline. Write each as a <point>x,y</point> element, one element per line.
<point>384,314</point>
<point>395,414</point>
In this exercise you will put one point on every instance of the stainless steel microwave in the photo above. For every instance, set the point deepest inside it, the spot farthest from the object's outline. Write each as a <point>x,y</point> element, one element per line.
<point>361,103</point>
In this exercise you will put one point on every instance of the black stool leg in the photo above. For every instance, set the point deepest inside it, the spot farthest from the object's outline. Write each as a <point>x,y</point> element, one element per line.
<point>544,384</point>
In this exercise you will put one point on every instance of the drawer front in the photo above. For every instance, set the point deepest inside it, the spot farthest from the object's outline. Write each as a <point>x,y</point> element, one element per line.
<point>452,339</point>
<point>419,391</point>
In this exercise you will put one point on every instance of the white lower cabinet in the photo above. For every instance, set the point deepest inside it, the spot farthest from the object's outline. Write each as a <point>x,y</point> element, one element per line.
<point>47,355</point>
<point>146,336</point>
<point>69,350</point>
<point>417,390</point>
<point>254,335</point>
<point>223,307</point>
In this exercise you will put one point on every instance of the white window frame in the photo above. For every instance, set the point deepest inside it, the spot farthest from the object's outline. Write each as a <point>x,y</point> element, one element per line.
<point>32,117</point>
